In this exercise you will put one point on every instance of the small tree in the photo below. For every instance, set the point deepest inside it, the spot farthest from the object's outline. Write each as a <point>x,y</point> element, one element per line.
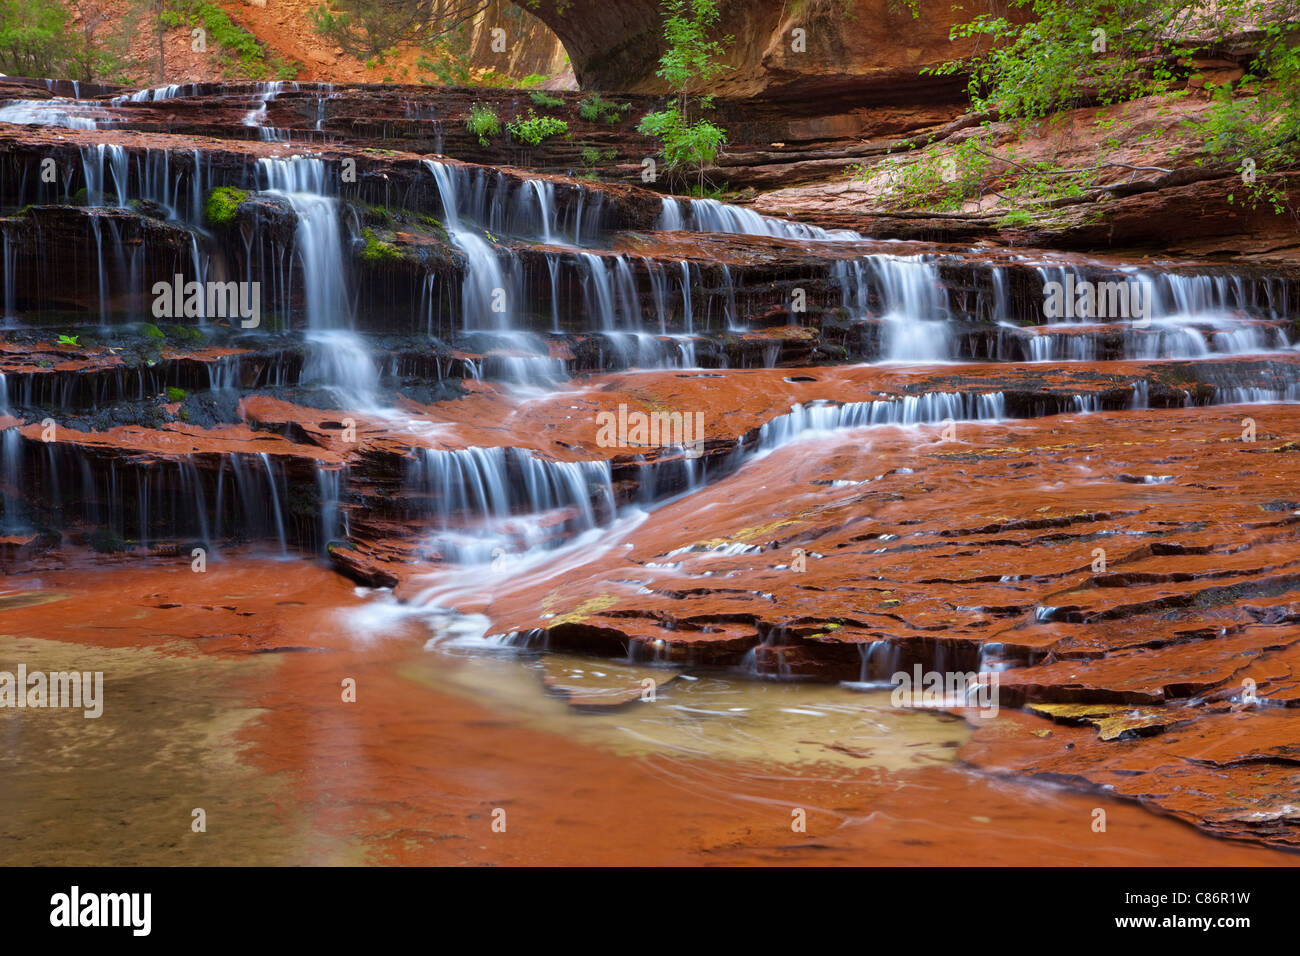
<point>34,38</point>
<point>689,63</point>
<point>39,38</point>
<point>97,54</point>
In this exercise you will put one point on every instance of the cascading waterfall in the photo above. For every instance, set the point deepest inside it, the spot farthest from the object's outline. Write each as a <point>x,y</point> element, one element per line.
<point>10,465</point>
<point>913,304</point>
<point>486,502</point>
<point>929,408</point>
<point>710,215</point>
<point>318,242</point>
<point>339,357</point>
<point>1190,316</point>
<point>70,114</point>
<point>256,117</point>
<point>154,94</point>
<point>489,290</point>
<point>479,502</point>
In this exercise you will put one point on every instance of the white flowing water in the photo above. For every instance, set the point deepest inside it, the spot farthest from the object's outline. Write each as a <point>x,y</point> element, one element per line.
<point>338,357</point>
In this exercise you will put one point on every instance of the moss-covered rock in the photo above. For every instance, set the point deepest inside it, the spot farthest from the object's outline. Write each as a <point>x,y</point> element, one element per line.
<point>223,205</point>
<point>376,250</point>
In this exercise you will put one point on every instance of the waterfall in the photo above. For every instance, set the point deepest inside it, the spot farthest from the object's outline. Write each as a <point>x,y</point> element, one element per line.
<point>544,193</point>
<point>256,117</point>
<point>98,163</point>
<point>609,292</point>
<point>157,93</point>
<point>9,276</point>
<point>486,298</point>
<point>1190,316</point>
<point>317,240</point>
<point>930,408</point>
<point>710,215</point>
<point>70,114</point>
<point>339,358</point>
<point>485,502</point>
<point>333,520</point>
<point>670,219</point>
<point>10,464</point>
<point>913,304</point>
<point>491,291</point>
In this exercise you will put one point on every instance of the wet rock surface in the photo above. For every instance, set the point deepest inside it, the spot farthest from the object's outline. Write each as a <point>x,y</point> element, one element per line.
<point>870,453</point>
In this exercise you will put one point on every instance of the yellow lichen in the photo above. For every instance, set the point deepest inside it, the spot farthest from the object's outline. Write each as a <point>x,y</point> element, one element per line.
<point>585,609</point>
<point>1111,720</point>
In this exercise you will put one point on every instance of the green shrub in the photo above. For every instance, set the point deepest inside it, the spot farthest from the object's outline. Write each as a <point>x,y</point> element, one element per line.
<point>483,123</point>
<point>545,100</point>
<point>175,394</point>
<point>449,70</point>
<point>594,109</point>
<point>249,55</point>
<point>692,58</point>
<point>685,144</point>
<point>536,128</point>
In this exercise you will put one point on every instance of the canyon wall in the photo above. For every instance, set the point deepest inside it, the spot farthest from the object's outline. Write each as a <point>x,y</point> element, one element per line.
<point>853,51</point>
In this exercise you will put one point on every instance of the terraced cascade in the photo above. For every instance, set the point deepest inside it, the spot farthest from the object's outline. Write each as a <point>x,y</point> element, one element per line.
<point>414,443</point>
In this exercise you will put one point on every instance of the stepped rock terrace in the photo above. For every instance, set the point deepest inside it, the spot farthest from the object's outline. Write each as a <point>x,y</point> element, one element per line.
<point>904,461</point>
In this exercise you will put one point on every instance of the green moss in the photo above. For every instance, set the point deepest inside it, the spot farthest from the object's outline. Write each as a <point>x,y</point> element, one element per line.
<point>434,226</point>
<point>376,250</point>
<point>185,333</point>
<point>175,394</point>
<point>378,215</point>
<point>223,205</point>
<point>153,332</point>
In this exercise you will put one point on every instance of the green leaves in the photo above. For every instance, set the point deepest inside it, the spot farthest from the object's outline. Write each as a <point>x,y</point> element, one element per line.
<point>1051,55</point>
<point>594,108</point>
<point>685,144</point>
<point>536,128</point>
<point>690,61</point>
<point>483,123</point>
<point>545,101</point>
